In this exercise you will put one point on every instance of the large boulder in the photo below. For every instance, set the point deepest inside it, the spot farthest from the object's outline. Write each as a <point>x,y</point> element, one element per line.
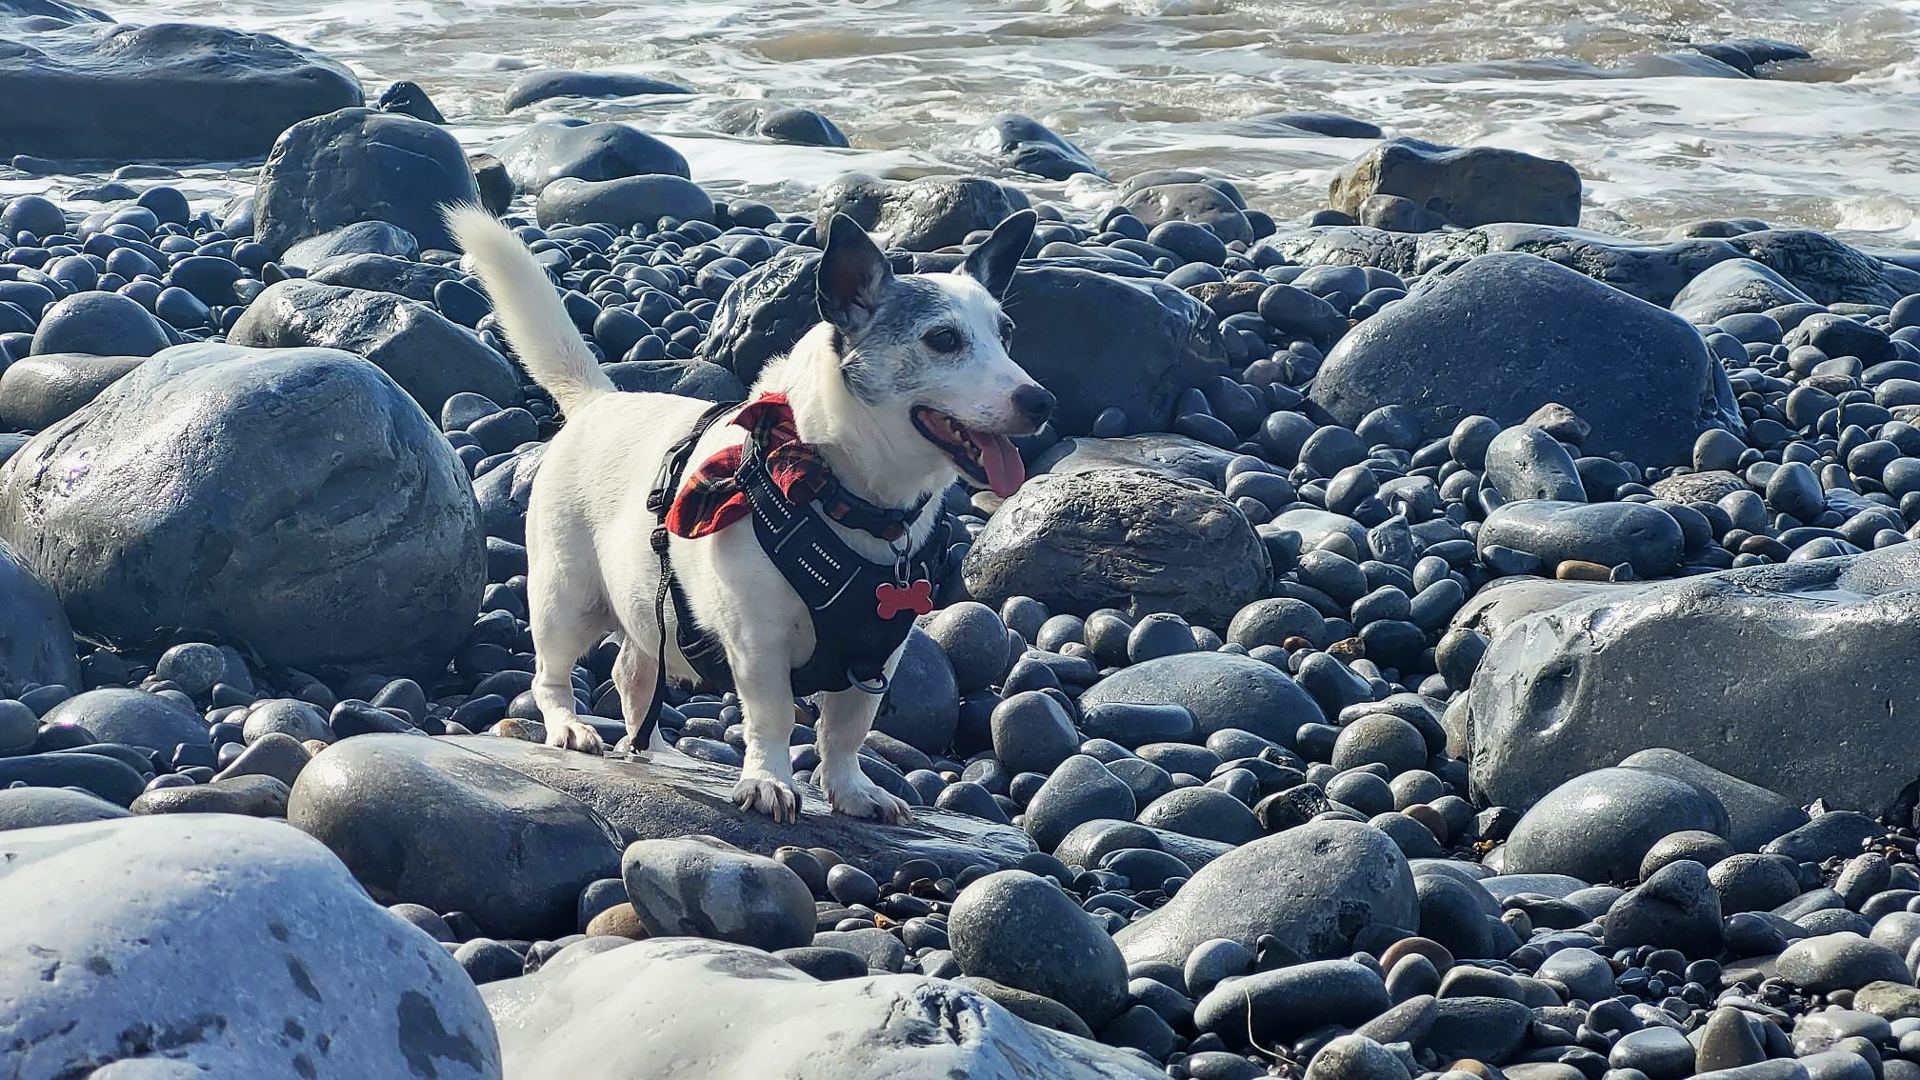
<point>1023,143</point>
<point>421,821</point>
<point>1101,342</point>
<point>918,215</point>
<point>96,89</point>
<point>1472,185</point>
<point>429,355</point>
<point>36,642</point>
<point>1599,825</point>
<point>1221,690</point>
<point>295,501</point>
<point>38,390</point>
<point>1172,456</point>
<point>537,86</point>
<point>360,165</point>
<point>664,795</point>
<point>219,945</point>
<point>1507,333</point>
<point>764,313</point>
<point>1120,538</point>
<point>544,152</point>
<point>623,202</point>
<point>1799,677</point>
<point>688,1001</point>
<point>781,123</point>
<point>1734,286</point>
<point>1203,204</point>
<point>1314,887</point>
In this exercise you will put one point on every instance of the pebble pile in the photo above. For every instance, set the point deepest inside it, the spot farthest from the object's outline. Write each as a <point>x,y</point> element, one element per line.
<point>1435,641</point>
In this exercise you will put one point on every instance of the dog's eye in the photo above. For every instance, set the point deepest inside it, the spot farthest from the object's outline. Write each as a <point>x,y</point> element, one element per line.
<point>1006,333</point>
<point>942,340</point>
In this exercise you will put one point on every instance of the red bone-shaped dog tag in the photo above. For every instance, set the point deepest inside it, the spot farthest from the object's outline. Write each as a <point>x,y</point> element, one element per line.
<point>893,599</point>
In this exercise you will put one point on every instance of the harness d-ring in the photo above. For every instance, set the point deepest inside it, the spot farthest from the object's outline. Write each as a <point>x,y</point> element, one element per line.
<point>877,687</point>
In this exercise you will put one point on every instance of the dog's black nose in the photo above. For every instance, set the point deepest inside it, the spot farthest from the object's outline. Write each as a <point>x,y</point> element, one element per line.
<point>1034,403</point>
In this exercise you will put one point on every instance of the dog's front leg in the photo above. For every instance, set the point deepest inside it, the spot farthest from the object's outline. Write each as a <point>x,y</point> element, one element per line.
<point>845,718</point>
<point>766,697</point>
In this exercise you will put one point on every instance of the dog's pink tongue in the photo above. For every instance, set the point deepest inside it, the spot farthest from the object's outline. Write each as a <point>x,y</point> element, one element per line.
<point>1005,471</point>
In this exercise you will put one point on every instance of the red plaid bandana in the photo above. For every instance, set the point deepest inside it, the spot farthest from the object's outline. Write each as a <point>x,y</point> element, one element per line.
<point>711,498</point>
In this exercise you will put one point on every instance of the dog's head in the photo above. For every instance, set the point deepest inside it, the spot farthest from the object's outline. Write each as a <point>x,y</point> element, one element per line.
<point>930,350</point>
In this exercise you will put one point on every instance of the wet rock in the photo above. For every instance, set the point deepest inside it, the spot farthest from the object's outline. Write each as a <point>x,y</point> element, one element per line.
<point>1468,185</point>
<point>1172,456</point>
<point>1733,287</point>
<point>423,821</point>
<point>1275,1006</point>
<point>308,493</point>
<point>627,201</point>
<point>253,796</point>
<point>670,795</point>
<point>385,273</point>
<point>781,123</point>
<point>1080,790</point>
<point>703,888</point>
<point>37,390</point>
<point>1023,931</point>
<point>1119,538</point>
<point>1676,908</point>
<point>94,89</point>
<point>1474,342</point>
<point>131,717</point>
<point>431,357</point>
<point>359,164</point>
<point>1843,961</point>
<point>1755,814</point>
<point>917,215</point>
<point>36,641</point>
<point>1023,143</point>
<point>1200,204</point>
<point>348,988</point>
<point>34,807</point>
<point>360,238</point>
<point>1219,690</point>
<point>1313,887</point>
<point>1562,692</point>
<point>682,1000</point>
<point>99,324</point>
<point>537,86</point>
<point>1607,534</point>
<point>546,151</point>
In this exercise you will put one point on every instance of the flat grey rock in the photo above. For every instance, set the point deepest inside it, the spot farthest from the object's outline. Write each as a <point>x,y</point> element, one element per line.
<point>655,795</point>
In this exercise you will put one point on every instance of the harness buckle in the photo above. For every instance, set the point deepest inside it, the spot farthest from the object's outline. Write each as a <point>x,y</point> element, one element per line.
<point>659,539</point>
<point>877,687</point>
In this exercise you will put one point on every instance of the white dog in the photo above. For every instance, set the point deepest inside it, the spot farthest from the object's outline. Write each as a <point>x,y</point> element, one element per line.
<point>905,385</point>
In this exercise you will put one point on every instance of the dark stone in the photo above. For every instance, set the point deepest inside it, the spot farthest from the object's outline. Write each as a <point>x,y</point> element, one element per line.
<point>99,89</point>
<point>99,324</point>
<point>1475,342</point>
<point>1605,533</point>
<point>253,796</point>
<point>537,86</point>
<point>1219,690</point>
<point>1598,826</point>
<point>1676,908</point>
<point>360,165</point>
<point>429,356</point>
<point>36,641</point>
<point>108,777</point>
<point>407,97</point>
<point>1470,186</point>
<point>922,703</point>
<point>132,717</point>
<point>1841,961</point>
<point>1755,814</point>
<point>1313,887</point>
<point>1276,1006</point>
<point>1024,143</point>
<point>667,795</point>
<point>629,200</point>
<point>551,149</point>
<point>687,378</point>
<point>917,215</point>
<point>359,238</point>
<point>1119,538</point>
<point>1803,655</point>
<point>711,889</point>
<point>781,123</point>
<point>385,273</point>
<point>1023,931</point>
<point>1733,287</point>
<point>425,821</point>
<point>307,493</point>
<point>35,807</point>
<point>1200,204</point>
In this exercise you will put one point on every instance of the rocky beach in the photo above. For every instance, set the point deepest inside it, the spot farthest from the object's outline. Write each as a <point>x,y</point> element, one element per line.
<point>1462,622</point>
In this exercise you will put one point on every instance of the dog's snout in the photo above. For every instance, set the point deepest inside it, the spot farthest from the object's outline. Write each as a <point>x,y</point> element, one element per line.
<point>1034,403</point>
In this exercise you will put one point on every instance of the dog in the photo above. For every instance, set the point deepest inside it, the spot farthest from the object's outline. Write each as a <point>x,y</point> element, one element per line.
<point>904,386</point>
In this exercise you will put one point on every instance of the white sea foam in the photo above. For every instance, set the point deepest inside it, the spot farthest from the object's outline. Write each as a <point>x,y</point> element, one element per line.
<point>1609,85</point>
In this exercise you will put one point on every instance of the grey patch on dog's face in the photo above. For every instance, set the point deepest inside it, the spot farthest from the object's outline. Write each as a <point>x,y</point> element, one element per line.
<point>939,341</point>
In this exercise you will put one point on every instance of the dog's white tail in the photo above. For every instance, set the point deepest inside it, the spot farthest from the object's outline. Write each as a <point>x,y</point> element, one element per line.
<point>549,345</point>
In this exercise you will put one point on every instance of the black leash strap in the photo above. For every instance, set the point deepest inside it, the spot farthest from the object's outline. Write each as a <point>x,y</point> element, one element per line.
<point>672,466</point>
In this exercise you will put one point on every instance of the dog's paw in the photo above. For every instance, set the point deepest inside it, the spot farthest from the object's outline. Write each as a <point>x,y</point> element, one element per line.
<point>762,791</point>
<point>574,735</point>
<point>862,798</point>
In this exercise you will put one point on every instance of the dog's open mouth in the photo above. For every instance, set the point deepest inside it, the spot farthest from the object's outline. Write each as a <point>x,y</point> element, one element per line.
<point>986,456</point>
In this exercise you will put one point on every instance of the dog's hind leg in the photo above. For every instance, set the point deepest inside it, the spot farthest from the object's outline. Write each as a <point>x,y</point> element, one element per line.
<point>635,677</point>
<point>563,626</point>
<point>845,718</point>
<point>765,684</point>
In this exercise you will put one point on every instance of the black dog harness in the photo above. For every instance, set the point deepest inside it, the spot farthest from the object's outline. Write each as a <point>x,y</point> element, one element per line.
<point>861,610</point>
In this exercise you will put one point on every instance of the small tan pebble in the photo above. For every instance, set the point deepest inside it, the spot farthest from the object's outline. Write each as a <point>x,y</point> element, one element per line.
<point>620,920</point>
<point>1580,570</point>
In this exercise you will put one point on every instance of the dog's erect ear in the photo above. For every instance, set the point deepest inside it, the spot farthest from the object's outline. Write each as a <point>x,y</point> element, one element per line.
<point>854,273</point>
<point>992,263</point>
